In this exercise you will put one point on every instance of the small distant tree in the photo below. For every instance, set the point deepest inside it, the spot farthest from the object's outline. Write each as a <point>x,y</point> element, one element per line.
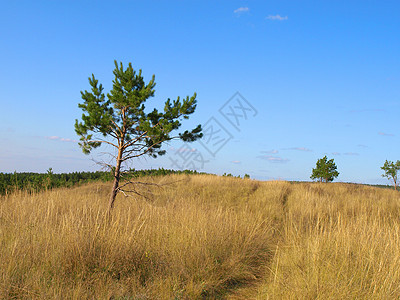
<point>325,170</point>
<point>121,121</point>
<point>49,178</point>
<point>246,176</point>
<point>391,169</point>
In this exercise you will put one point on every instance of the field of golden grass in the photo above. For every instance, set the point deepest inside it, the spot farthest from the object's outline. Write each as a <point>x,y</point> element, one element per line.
<point>202,237</point>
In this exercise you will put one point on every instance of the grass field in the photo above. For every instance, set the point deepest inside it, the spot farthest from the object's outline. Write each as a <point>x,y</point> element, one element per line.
<point>202,237</point>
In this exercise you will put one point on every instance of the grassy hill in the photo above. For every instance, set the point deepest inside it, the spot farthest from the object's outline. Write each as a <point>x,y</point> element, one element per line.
<point>202,237</point>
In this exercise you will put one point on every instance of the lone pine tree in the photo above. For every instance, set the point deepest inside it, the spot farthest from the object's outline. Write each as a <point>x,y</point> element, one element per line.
<point>325,170</point>
<point>120,120</point>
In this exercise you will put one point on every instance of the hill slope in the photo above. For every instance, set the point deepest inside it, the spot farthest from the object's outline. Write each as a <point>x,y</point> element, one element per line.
<point>202,237</point>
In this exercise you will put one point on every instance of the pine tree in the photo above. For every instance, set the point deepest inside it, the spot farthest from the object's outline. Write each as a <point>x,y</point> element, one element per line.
<point>325,170</point>
<point>120,120</point>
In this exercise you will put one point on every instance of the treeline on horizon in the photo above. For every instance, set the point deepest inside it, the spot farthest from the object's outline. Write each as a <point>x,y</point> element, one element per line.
<point>385,186</point>
<point>29,181</point>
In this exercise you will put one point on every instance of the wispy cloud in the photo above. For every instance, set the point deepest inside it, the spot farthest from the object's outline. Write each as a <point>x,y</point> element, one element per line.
<point>236,162</point>
<point>54,137</point>
<point>273,151</point>
<point>347,153</point>
<point>57,138</point>
<point>351,153</point>
<point>299,149</point>
<point>68,140</point>
<point>241,10</point>
<point>362,146</point>
<point>273,159</point>
<point>277,18</point>
<point>385,134</point>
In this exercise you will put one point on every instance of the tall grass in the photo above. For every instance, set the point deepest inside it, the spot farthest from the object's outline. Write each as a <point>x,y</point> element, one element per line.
<point>338,242</point>
<point>202,237</point>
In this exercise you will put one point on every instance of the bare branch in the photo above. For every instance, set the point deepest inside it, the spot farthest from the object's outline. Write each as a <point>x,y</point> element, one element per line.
<point>144,152</point>
<point>116,125</point>
<point>149,183</point>
<point>113,156</point>
<point>102,141</point>
<point>132,142</point>
<point>133,190</point>
<point>137,148</point>
<point>126,194</point>
<point>113,133</point>
<point>103,165</point>
<point>140,137</point>
<point>139,182</point>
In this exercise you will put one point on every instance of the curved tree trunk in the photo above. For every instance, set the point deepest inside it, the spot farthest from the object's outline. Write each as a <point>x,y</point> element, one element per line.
<point>117,175</point>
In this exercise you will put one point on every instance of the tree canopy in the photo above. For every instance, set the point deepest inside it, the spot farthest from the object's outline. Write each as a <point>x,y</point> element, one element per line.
<point>325,170</point>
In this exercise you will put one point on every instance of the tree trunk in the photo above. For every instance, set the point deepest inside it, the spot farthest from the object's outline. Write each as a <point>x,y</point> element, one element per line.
<point>114,190</point>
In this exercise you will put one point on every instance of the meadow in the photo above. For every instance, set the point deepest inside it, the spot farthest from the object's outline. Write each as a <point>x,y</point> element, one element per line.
<point>202,237</point>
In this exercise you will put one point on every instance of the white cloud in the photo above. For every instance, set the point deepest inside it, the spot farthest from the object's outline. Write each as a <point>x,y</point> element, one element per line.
<point>277,18</point>
<point>241,10</point>
<point>273,151</point>
<point>299,149</point>
<point>385,134</point>
<point>67,140</point>
<point>54,137</point>
<point>57,138</point>
<point>351,153</point>
<point>335,153</point>
<point>274,159</point>
<point>236,162</point>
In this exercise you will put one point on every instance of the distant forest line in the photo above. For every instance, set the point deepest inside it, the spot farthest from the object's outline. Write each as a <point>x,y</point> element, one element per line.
<point>29,181</point>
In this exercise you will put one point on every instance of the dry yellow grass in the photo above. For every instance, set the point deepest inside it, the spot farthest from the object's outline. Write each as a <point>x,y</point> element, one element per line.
<point>202,237</point>
<point>338,241</point>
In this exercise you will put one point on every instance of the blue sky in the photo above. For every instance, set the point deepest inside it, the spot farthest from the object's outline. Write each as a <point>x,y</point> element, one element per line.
<point>318,78</point>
